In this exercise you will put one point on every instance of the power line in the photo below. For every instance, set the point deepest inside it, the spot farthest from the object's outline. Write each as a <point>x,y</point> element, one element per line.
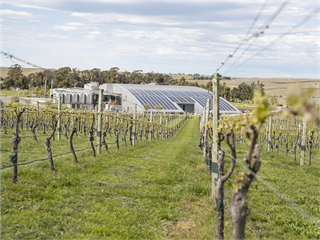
<point>303,21</point>
<point>11,56</point>
<point>260,32</point>
<point>243,40</point>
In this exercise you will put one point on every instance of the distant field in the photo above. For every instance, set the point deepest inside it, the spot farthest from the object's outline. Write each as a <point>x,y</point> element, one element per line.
<point>25,71</point>
<point>273,86</point>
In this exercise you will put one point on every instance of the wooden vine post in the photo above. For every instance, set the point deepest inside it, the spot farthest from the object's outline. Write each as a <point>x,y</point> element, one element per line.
<point>38,114</point>
<point>303,143</point>
<point>167,127</point>
<point>134,124</point>
<point>310,147</point>
<point>99,127</point>
<point>269,134</point>
<point>215,137</point>
<point>15,142</point>
<point>59,120</point>
<point>205,140</point>
<point>160,129</point>
<point>150,130</point>
<point>26,125</point>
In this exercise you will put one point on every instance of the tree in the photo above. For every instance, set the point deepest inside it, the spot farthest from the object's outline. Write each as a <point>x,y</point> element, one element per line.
<point>14,74</point>
<point>225,91</point>
<point>23,82</point>
<point>245,92</point>
<point>7,82</point>
<point>149,77</point>
<point>37,80</point>
<point>158,78</point>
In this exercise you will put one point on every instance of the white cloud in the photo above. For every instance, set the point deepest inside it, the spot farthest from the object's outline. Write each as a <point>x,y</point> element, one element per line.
<point>52,36</point>
<point>17,15</point>
<point>83,15</point>
<point>75,24</point>
<point>92,35</point>
<point>65,28</point>
<point>198,36</point>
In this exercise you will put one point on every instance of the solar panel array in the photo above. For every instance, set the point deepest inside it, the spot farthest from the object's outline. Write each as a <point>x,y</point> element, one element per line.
<point>168,95</point>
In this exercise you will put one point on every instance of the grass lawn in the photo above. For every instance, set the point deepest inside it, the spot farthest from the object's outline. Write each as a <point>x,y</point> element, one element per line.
<point>156,189</point>
<point>11,93</point>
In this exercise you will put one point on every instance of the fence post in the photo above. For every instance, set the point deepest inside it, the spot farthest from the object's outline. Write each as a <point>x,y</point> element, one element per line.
<point>303,143</point>
<point>99,127</point>
<point>215,119</point>
<point>59,120</point>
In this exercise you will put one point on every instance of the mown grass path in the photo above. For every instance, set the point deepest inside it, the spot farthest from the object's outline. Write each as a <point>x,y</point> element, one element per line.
<point>155,190</point>
<point>138,192</point>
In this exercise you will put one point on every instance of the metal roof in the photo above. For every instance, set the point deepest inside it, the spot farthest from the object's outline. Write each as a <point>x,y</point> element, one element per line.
<point>168,95</point>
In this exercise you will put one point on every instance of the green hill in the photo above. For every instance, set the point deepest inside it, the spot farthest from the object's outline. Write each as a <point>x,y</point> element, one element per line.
<point>25,71</point>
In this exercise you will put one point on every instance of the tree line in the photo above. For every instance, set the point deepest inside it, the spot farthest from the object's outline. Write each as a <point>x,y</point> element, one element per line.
<point>66,77</point>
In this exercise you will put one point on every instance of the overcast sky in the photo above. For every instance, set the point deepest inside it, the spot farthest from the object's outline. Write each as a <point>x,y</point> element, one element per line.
<point>162,36</point>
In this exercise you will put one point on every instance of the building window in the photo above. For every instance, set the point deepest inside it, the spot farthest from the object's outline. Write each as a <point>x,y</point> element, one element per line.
<point>70,97</point>
<point>85,99</point>
<point>78,98</point>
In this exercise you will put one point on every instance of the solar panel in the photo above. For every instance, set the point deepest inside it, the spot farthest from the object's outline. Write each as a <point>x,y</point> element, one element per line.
<point>168,95</point>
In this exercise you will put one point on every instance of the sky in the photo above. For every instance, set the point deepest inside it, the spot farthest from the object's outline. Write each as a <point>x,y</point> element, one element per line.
<point>165,36</point>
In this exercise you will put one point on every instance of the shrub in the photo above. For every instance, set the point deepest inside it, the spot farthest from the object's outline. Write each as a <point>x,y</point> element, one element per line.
<point>159,107</point>
<point>48,103</point>
<point>146,106</point>
<point>14,99</point>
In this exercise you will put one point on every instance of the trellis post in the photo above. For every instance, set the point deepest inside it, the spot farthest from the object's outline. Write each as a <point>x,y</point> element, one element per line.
<point>150,130</point>
<point>206,127</point>
<point>26,125</point>
<point>270,132</point>
<point>167,127</point>
<point>160,127</point>
<point>99,120</point>
<point>134,123</point>
<point>38,114</point>
<point>59,120</point>
<point>303,143</point>
<point>215,119</point>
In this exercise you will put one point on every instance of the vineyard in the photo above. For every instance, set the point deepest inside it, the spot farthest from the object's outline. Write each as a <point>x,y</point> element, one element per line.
<point>76,127</point>
<point>80,174</point>
<point>251,130</point>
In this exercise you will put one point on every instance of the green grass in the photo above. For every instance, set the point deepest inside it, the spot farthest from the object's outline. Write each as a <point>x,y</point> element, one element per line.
<point>10,93</point>
<point>156,189</point>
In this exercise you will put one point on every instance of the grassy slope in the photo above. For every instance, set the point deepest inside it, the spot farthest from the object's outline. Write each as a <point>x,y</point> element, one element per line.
<point>280,87</point>
<point>153,190</point>
<point>25,71</point>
